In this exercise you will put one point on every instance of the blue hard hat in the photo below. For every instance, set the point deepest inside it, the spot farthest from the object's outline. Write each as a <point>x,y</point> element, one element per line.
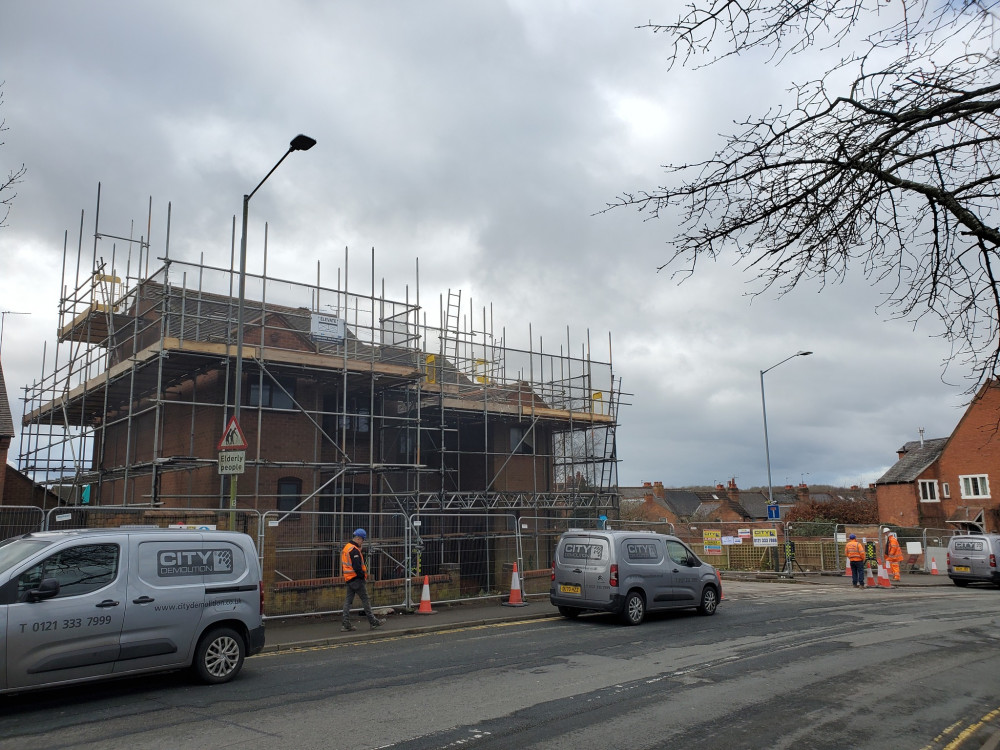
<point>852,536</point>
<point>361,533</point>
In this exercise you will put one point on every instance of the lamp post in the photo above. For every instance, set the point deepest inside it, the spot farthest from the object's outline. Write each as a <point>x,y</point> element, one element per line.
<point>763,406</point>
<point>298,143</point>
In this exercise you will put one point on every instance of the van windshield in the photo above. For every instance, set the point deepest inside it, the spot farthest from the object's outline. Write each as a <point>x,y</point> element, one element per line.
<point>13,551</point>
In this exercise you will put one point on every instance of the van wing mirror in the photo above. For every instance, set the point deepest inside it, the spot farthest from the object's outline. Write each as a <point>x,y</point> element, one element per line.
<point>48,588</point>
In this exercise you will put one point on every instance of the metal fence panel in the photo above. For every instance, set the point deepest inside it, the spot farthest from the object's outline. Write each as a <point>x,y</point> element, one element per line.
<point>20,519</point>
<point>116,516</point>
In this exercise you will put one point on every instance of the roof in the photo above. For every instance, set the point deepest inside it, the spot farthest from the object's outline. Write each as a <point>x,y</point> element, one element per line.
<point>916,457</point>
<point>6,419</point>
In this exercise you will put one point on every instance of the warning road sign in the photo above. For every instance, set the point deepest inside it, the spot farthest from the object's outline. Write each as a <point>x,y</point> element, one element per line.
<point>233,438</point>
<point>232,462</point>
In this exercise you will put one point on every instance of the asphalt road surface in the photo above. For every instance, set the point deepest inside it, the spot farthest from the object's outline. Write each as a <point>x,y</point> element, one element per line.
<point>779,666</point>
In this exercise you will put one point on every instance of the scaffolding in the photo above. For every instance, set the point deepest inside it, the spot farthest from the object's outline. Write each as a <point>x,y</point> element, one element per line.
<point>353,403</point>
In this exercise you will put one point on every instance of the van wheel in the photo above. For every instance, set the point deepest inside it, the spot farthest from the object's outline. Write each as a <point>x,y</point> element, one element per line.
<point>570,612</point>
<point>709,601</point>
<point>219,656</point>
<point>635,608</point>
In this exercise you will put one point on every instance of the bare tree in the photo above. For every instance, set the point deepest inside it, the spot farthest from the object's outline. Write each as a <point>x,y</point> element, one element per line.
<point>895,170</point>
<point>14,176</point>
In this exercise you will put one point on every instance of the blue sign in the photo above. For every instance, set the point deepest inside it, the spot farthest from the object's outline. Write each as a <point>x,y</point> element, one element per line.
<point>773,512</point>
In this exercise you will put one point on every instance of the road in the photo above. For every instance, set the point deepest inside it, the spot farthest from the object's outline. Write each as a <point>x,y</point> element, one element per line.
<point>780,666</point>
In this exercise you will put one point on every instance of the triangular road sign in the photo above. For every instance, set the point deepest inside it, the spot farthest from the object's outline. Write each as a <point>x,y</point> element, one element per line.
<point>233,438</point>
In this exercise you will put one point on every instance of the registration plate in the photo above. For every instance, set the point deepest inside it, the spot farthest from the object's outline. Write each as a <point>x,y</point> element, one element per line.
<point>962,569</point>
<point>567,588</point>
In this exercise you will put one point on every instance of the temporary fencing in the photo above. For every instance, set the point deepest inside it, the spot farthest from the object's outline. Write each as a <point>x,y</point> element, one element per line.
<point>20,519</point>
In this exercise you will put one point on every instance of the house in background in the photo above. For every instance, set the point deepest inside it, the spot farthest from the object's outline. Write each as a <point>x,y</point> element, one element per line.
<point>15,487</point>
<point>945,482</point>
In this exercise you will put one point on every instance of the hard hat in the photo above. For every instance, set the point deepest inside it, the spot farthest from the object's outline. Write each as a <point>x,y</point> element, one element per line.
<point>361,533</point>
<point>852,536</point>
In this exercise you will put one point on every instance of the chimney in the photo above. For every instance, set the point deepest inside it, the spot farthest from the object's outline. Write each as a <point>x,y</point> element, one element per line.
<point>733,491</point>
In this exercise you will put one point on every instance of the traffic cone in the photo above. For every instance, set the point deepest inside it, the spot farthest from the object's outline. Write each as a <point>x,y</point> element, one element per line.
<point>718,576</point>
<point>515,592</point>
<point>934,570</point>
<point>883,577</point>
<point>870,579</point>
<point>425,600</point>
<point>847,570</point>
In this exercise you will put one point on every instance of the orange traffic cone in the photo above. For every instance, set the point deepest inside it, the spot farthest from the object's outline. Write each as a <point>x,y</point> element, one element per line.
<point>883,577</point>
<point>870,579</point>
<point>515,592</point>
<point>934,570</point>
<point>847,570</point>
<point>718,576</point>
<point>425,600</point>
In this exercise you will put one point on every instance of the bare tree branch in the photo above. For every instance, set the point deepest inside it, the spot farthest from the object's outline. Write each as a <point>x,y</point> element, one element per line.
<point>898,173</point>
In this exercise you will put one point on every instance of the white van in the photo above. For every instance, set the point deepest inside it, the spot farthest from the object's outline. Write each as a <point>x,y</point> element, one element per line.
<point>972,558</point>
<point>630,572</point>
<point>96,603</point>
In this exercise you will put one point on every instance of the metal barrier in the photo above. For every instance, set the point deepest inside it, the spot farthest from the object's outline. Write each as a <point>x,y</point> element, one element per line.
<point>20,519</point>
<point>119,516</point>
<point>300,557</point>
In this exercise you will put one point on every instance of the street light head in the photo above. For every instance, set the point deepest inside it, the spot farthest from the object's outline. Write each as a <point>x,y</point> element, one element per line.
<point>302,143</point>
<point>803,354</point>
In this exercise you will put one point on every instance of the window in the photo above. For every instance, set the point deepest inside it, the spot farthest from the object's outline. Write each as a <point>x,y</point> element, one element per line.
<point>928,491</point>
<point>977,486</point>
<point>521,441</point>
<point>267,394</point>
<point>945,490</point>
<point>79,570</point>
<point>289,496</point>
<point>678,553</point>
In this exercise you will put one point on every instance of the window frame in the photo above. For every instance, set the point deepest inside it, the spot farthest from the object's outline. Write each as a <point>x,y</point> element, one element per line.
<point>296,497</point>
<point>928,484</point>
<point>965,481</point>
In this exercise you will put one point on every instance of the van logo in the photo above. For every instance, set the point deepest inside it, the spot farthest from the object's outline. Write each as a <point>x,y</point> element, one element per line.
<point>583,551</point>
<point>641,551</point>
<point>968,546</point>
<point>189,562</point>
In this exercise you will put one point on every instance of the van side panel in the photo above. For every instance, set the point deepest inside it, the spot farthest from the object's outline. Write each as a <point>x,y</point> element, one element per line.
<point>644,566</point>
<point>165,601</point>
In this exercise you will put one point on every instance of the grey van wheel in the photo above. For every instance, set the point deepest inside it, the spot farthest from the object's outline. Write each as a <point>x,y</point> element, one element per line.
<point>635,608</point>
<point>570,612</point>
<point>709,601</point>
<point>219,656</point>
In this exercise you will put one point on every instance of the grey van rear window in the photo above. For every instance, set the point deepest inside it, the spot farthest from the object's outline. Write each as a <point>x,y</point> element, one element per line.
<point>582,551</point>
<point>968,545</point>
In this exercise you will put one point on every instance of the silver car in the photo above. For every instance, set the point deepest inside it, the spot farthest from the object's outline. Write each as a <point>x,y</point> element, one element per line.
<point>630,573</point>
<point>91,604</point>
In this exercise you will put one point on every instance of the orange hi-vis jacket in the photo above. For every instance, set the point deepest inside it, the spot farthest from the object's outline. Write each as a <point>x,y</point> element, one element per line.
<point>893,552</point>
<point>347,564</point>
<point>854,550</point>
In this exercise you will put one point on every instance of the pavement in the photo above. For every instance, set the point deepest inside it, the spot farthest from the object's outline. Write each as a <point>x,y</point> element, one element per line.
<point>305,631</point>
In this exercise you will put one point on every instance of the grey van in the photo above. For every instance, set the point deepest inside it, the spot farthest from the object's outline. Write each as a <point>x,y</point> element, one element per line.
<point>973,558</point>
<point>630,573</point>
<point>90,604</point>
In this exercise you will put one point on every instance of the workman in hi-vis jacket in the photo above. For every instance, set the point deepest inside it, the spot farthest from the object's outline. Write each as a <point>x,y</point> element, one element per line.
<point>352,566</point>
<point>855,552</point>
<point>893,554</point>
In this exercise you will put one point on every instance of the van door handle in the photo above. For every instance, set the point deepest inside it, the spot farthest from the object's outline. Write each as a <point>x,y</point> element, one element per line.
<point>108,603</point>
<point>577,570</point>
<point>143,600</point>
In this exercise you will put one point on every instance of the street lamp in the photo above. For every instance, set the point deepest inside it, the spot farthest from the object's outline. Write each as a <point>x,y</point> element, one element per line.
<point>763,406</point>
<point>298,143</point>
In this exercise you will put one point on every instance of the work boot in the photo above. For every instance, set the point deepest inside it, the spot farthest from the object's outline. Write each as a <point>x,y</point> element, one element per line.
<point>348,627</point>
<point>376,623</point>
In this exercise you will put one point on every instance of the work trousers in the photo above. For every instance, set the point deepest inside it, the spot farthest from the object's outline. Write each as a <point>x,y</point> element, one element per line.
<point>357,587</point>
<point>858,572</point>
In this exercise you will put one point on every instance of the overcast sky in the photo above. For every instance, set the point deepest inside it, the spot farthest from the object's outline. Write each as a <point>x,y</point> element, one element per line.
<point>481,138</point>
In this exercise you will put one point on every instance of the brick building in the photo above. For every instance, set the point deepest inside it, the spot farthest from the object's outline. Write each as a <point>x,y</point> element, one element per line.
<point>945,482</point>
